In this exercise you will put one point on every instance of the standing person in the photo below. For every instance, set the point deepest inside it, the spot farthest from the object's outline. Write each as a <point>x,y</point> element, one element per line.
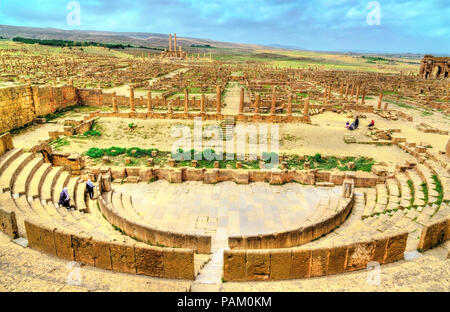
<point>90,189</point>
<point>64,198</point>
<point>356,122</point>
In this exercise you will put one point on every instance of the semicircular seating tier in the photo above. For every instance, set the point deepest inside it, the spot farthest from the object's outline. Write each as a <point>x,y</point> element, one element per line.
<point>29,195</point>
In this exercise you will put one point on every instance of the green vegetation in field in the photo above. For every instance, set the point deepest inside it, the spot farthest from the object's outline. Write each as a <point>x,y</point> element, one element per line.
<point>59,143</point>
<point>438,188</point>
<point>205,46</point>
<point>425,192</point>
<point>69,43</point>
<point>412,191</point>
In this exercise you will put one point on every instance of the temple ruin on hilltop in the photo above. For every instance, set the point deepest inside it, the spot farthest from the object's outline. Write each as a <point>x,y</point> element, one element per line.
<point>434,67</point>
<point>173,51</point>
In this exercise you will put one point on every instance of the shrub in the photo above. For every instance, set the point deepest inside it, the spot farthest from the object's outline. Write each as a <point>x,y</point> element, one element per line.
<point>115,151</point>
<point>95,152</point>
<point>136,152</point>
<point>92,133</point>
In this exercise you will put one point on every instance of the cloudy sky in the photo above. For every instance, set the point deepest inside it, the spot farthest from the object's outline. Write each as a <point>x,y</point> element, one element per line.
<point>417,26</point>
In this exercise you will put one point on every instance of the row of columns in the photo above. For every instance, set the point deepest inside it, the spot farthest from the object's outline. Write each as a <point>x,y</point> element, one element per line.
<point>273,104</point>
<point>186,102</point>
<point>352,94</point>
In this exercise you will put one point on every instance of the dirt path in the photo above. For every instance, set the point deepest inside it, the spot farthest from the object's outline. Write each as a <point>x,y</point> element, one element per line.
<point>232,98</point>
<point>125,89</point>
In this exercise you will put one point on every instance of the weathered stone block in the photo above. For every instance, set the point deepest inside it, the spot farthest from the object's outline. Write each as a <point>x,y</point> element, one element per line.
<point>149,260</point>
<point>63,244</point>
<point>319,262</point>
<point>359,255</point>
<point>301,263</point>
<point>433,234</point>
<point>336,260</point>
<point>102,255</point>
<point>83,248</point>
<point>8,223</point>
<point>234,265</point>
<point>122,257</point>
<point>280,264</point>
<point>179,264</point>
<point>396,248</point>
<point>257,265</point>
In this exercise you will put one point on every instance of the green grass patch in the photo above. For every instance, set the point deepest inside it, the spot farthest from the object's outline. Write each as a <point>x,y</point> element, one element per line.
<point>412,191</point>
<point>60,143</point>
<point>438,188</point>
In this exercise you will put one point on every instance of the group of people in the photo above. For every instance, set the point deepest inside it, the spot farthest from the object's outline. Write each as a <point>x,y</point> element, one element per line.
<point>64,197</point>
<point>354,125</point>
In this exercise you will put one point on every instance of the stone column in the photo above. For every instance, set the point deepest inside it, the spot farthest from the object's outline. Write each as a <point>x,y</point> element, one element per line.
<point>186,101</point>
<point>170,43</point>
<point>341,90</point>
<point>346,91</point>
<point>363,101</point>
<point>241,102</point>
<point>149,102</point>
<point>219,100</point>
<point>169,105</point>
<point>132,107</point>
<point>202,104</point>
<point>175,42</point>
<point>379,101</point>
<point>357,93</point>
<point>289,110</point>
<point>352,93</point>
<point>257,103</point>
<point>274,101</point>
<point>306,108</point>
<point>386,106</point>
<point>115,106</point>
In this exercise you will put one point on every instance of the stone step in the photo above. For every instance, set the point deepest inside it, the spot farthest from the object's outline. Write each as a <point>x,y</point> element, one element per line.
<point>35,280</point>
<point>8,157</point>
<point>72,185</point>
<point>7,202</point>
<point>37,181</point>
<point>25,176</point>
<point>60,184</point>
<point>9,175</point>
<point>127,204</point>
<point>80,198</point>
<point>418,191</point>
<point>49,182</point>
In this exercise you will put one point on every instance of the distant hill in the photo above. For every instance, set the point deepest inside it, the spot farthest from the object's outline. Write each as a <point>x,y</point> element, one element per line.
<point>150,40</point>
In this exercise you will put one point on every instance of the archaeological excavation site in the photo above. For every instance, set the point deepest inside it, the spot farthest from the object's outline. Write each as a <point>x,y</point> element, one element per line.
<point>195,167</point>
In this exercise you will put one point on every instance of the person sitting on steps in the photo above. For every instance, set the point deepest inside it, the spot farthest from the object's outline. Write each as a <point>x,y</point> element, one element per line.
<point>64,198</point>
<point>372,124</point>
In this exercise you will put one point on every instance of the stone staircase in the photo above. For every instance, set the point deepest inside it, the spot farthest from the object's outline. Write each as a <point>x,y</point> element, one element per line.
<point>413,188</point>
<point>359,227</point>
<point>228,127</point>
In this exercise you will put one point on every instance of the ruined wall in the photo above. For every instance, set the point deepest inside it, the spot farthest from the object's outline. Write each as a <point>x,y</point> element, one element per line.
<point>304,262</point>
<point>20,105</point>
<point>16,107</point>
<point>6,143</point>
<point>48,100</point>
